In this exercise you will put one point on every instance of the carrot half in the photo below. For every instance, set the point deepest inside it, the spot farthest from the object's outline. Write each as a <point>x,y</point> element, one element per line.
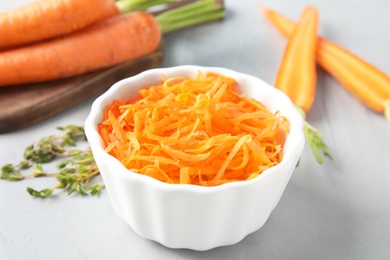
<point>110,42</point>
<point>363,80</point>
<point>297,76</point>
<point>41,20</point>
<point>197,131</point>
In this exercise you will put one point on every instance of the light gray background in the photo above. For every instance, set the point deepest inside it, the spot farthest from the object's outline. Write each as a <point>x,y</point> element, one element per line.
<point>340,210</point>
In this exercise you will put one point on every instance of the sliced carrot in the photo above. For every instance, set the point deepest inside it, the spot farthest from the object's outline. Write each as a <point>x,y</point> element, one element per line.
<point>363,80</point>
<point>173,132</point>
<point>297,76</point>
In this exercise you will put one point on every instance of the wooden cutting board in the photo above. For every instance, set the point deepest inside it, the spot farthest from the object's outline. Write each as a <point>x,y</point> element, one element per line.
<point>25,105</point>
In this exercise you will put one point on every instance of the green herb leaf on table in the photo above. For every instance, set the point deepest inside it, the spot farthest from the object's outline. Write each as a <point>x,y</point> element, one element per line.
<point>75,171</point>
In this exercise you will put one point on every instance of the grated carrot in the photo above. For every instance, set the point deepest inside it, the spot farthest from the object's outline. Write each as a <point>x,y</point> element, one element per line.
<point>197,131</point>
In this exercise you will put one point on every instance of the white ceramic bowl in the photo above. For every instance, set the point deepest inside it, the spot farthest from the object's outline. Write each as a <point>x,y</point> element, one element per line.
<point>189,216</point>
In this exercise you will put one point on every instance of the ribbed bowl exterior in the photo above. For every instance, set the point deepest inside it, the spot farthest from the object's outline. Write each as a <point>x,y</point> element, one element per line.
<point>189,216</point>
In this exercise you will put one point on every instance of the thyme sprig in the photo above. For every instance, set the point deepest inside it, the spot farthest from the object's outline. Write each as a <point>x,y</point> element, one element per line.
<point>75,171</point>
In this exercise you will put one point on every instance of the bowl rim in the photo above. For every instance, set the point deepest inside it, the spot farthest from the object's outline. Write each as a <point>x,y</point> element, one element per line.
<point>295,139</point>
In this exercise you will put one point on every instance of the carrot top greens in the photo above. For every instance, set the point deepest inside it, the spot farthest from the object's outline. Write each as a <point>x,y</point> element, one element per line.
<point>194,131</point>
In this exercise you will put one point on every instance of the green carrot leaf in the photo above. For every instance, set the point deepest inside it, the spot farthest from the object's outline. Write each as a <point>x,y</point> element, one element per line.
<point>313,137</point>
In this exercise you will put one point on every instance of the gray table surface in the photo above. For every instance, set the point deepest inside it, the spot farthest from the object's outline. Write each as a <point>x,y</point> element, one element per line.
<point>340,210</point>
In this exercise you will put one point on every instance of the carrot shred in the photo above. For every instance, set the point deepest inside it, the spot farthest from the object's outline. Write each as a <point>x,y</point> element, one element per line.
<point>197,131</point>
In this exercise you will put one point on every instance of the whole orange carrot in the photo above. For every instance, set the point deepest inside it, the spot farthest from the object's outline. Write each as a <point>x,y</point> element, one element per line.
<point>110,42</point>
<point>364,80</point>
<point>297,76</point>
<point>101,45</point>
<point>45,19</point>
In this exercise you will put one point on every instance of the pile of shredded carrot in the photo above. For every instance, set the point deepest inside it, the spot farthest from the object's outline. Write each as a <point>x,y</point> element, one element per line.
<point>194,131</point>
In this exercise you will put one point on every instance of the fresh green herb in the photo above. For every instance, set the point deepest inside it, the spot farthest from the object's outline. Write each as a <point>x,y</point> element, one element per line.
<point>11,172</point>
<point>39,194</point>
<point>75,171</point>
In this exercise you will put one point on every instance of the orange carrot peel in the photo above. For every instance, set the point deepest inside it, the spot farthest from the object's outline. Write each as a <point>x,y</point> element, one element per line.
<point>297,75</point>
<point>363,80</point>
<point>194,131</point>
